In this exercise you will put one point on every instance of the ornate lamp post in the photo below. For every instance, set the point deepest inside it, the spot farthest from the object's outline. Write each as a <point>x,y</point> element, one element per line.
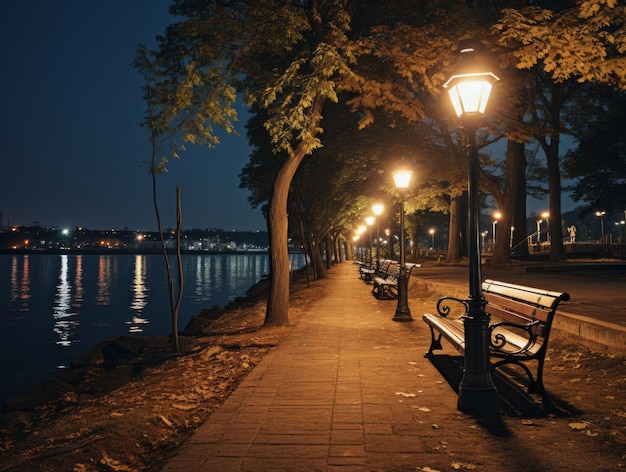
<point>359,231</point>
<point>402,179</point>
<point>378,208</point>
<point>601,215</point>
<point>496,216</point>
<point>389,243</point>
<point>546,216</point>
<point>469,88</point>
<point>370,221</point>
<point>355,240</point>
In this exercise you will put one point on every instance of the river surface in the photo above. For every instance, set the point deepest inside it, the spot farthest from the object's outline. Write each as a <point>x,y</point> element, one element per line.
<point>55,307</point>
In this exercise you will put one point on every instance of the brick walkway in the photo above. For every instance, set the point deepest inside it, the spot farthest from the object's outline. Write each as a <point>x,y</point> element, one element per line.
<point>333,394</point>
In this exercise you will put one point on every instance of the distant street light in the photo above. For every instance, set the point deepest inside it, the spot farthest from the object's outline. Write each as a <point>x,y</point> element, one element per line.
<point>355,240</point>
<point>390,243</point>
<point>402,179</point>
<point>370,221</point>
<point>496,216</point>
<point>359,231</point>
<point>546,216</point>
<point>378,208</point>
<point>618,226</point>
<point>601,215</point>
<point>432,235</point>
<point>469,88</point>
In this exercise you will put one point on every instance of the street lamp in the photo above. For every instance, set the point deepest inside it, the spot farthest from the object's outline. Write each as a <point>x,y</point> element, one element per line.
<point>469,88</point>
<point>601,215</point>
<point>355,247</point>
<point>546,216</point>
<point>359,231</point>
<point>496,216</point>
<point>370,221</point>
<point>432,235</point>
<point>402,179</point>
<point>378,208</point>
<point>618,224</point>
<point>389,243</point>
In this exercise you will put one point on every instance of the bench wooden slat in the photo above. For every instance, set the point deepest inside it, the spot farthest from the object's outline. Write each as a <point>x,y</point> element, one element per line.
<point>506,304</point>
<point>538,297</point>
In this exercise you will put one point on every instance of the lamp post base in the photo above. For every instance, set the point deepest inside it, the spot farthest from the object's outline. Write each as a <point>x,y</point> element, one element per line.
<point>403,313</point>
<point>402,317</point>
<point>479,402</point>
<point>477,392</point>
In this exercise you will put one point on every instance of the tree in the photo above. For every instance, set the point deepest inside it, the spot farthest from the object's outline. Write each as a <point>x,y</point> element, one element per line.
<point>285,58</point>
<point>582,42</point>
<point>599,162</point>
<point>160,134</point>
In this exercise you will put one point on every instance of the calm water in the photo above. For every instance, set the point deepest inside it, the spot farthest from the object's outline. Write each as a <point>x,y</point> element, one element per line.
<point>54,307</point>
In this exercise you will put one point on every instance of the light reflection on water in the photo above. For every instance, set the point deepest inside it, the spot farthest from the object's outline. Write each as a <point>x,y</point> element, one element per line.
<point>140,296</point>
<point>54,307</point>
<point>64,320</point>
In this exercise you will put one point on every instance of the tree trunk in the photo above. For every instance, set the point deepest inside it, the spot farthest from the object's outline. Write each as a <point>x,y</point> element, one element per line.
<point>413,249</point>
<point>319,266</point>
<point>339,254</point>
<point>557,250</point>
<point>502,249</point>
<point>277,313</point>
<point>328,243</point>
<point>454,238</point>
<point>520,233</point>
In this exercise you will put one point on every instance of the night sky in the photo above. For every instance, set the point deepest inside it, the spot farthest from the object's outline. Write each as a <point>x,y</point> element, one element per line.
<point>72,149</point>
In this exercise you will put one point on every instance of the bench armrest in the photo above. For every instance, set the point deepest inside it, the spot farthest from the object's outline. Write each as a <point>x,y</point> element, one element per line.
<point>515,344</point>
<point>444,309</point>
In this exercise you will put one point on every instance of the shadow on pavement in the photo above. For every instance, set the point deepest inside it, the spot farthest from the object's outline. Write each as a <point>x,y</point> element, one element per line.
<point>515,402</point>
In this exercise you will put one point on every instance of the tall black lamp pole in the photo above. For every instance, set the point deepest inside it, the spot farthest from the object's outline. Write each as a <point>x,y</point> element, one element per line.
<point>378,208</point>
<point>402,179</point>
<point>370,221</point>
<point>469,88</point>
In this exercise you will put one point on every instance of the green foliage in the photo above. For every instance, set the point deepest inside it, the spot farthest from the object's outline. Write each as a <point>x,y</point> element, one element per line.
<point>184,110</point>
<point>585,43</point>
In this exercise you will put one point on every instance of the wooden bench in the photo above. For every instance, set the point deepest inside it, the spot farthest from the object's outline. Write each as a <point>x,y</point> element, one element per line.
<point>386,287</point>
<point>521,319</point>
<point>367,272</point>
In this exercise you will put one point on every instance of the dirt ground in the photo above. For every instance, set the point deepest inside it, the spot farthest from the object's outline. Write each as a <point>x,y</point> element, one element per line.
<point>154,403</point>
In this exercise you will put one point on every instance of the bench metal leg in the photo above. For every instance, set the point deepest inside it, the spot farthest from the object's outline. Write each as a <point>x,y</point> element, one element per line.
<point>435,343</point>
<point>535,385</point>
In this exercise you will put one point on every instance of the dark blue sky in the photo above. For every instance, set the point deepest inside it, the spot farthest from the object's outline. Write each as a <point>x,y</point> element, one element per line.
<point>72,149</point>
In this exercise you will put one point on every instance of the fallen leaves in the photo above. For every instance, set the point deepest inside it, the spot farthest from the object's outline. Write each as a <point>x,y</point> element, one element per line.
<point>113,464</point>
<point>579,426</point>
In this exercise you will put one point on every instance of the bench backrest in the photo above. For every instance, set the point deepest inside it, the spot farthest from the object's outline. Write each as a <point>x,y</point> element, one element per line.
<point>521,304</point>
